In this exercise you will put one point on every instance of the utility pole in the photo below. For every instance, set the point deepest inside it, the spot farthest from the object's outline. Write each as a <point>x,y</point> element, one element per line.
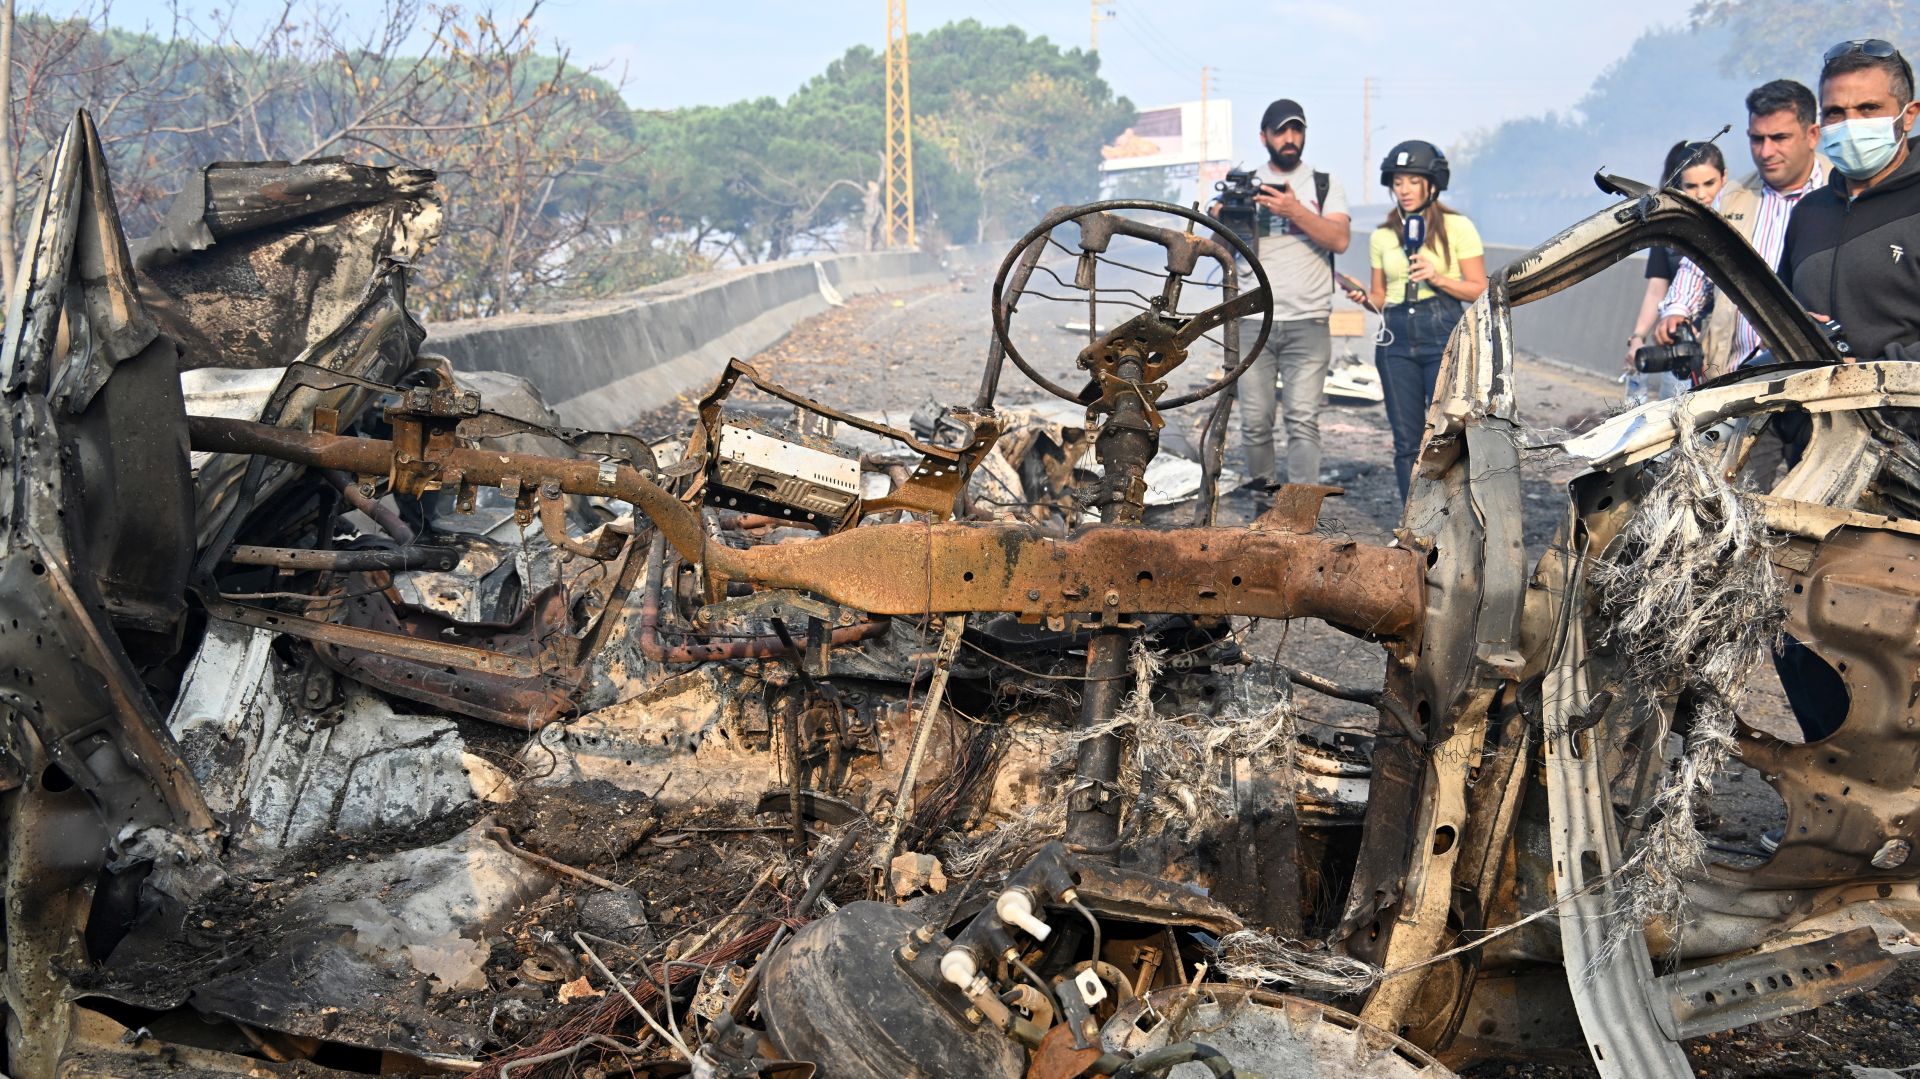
<point>1366,135</point>
<point>1200,170</point>
<point>898,231</point>
<point>1097,13</point>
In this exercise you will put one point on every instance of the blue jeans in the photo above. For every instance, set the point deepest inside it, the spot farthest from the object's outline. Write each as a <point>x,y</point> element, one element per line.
<point>1409,365</point>
<point>1297,354</point>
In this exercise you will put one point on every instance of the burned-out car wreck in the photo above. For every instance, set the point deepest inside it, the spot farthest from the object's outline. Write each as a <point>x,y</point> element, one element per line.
<point>362,718</point>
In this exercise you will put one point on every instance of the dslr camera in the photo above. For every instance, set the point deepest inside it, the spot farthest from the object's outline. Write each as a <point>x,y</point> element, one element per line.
<point>1238,211</point>
<point>1682,359</point>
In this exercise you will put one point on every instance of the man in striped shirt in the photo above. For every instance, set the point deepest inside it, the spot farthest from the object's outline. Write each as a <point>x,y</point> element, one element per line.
<point>1783,135</point>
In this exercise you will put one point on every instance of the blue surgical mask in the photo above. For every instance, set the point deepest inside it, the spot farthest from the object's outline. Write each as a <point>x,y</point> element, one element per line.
<point>1860,148</point>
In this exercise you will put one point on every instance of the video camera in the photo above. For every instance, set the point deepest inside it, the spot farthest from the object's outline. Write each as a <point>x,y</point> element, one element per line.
<point>1682,359</point>
<point>1238,211</point>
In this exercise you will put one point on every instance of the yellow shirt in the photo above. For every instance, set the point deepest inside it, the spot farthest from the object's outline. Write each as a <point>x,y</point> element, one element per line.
<point>1383,251</point>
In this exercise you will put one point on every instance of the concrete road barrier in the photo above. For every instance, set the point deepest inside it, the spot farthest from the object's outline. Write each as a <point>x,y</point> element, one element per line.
<point>1585,326</point>
<point>600,364</point>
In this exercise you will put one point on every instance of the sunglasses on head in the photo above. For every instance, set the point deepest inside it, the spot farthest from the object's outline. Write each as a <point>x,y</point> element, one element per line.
<point>1866,46</point>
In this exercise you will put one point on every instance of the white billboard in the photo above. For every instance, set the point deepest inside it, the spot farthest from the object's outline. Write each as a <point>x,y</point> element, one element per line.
<point>1173,135</point>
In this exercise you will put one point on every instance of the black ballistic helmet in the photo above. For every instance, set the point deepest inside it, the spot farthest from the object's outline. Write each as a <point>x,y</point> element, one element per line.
<point>1420,158</point>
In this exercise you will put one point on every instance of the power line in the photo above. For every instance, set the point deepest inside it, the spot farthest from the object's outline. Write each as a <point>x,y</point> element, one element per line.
<point>1182,70</point>
<point>1161,36</point>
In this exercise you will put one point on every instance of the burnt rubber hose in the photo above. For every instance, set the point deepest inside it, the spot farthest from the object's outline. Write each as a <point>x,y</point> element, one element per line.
<point>1159,1061</point>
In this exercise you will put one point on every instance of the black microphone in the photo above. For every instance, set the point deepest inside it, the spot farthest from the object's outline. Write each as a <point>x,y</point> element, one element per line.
<point>1413,233</point>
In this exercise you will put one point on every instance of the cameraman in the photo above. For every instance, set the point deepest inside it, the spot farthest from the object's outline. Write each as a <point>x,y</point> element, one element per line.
<point>1301,224</point>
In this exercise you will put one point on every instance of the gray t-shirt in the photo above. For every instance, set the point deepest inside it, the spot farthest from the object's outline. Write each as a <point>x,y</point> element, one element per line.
<point>1296,267</point>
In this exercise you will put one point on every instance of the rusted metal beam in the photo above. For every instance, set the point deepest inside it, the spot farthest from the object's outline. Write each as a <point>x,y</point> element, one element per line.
<point>295,558</point>
<point>398,645</point>
<point>915,568</point>
<point>907,569</point>
<point>455,466</point>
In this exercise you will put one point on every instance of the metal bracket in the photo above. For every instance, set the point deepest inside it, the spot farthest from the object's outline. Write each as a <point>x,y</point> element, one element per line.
<point>1770,984</point>
<point>787,604</point>
<point>553,521</point>
<point>1079,1011</point>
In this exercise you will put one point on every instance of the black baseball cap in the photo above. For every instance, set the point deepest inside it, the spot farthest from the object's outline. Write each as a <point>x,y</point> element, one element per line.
<point>1281,113</point>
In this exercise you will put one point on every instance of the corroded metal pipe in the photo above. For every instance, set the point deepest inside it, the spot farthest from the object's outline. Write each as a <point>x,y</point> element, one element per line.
<point>1093,806</point>
<point>399,558</point>
<point>485,468</point>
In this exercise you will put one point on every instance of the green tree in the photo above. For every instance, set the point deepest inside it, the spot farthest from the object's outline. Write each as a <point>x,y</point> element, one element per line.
<point>760,179</point>
<point>1775,37</point>
<point>1013,147</point>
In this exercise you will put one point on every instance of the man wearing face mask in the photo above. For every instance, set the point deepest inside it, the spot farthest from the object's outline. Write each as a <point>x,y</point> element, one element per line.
<point>1850,256</point>
<point>1301,224</point>
<point>1852,252</point>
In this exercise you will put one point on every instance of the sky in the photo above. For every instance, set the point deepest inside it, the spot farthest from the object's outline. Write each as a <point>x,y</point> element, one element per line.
<point>1441,71</point>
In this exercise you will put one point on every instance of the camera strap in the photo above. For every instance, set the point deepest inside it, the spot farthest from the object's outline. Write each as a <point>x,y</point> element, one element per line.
<point>1322,183</point>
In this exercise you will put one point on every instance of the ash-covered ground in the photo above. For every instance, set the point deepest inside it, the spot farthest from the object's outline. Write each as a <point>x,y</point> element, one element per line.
<point>888,355</point>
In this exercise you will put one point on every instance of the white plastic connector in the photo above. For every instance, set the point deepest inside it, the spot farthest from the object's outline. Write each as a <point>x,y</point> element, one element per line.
<point>1092,989</point>
<point>958,968</point>
<point>1015,907</point>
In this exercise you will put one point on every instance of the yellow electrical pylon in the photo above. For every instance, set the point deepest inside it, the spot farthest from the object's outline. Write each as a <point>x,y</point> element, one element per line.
<point>897,231</point>
<point>1098,11</point>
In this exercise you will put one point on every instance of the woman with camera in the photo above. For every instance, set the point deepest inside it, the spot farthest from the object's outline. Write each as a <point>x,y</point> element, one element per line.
<point>1428,264</point>
<point>1697,169</point>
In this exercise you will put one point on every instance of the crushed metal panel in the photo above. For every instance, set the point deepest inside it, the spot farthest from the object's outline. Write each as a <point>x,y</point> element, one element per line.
<point>97,544</point>
<point>288,776</point>
<point>258,262</point>
<point>1851,796</point>
<point>358,952</point>
<point>77,278</point>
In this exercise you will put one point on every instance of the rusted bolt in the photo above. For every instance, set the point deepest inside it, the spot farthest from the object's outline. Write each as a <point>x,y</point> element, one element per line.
<point>367,489</point>
<point>1113,598</point>
<point>1033,593</point>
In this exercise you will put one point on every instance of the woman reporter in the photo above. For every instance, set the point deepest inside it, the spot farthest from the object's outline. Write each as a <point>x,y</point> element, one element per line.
<point>1428,264</point>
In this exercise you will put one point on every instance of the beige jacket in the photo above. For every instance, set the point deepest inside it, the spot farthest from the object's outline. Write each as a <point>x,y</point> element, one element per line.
<point>1738,205</point>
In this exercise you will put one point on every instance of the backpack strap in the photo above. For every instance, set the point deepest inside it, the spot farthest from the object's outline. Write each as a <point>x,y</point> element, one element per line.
<point>1321,184</point>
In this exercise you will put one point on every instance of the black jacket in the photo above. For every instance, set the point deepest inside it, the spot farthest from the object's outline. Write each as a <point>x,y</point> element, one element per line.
<point>1858,260</point>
